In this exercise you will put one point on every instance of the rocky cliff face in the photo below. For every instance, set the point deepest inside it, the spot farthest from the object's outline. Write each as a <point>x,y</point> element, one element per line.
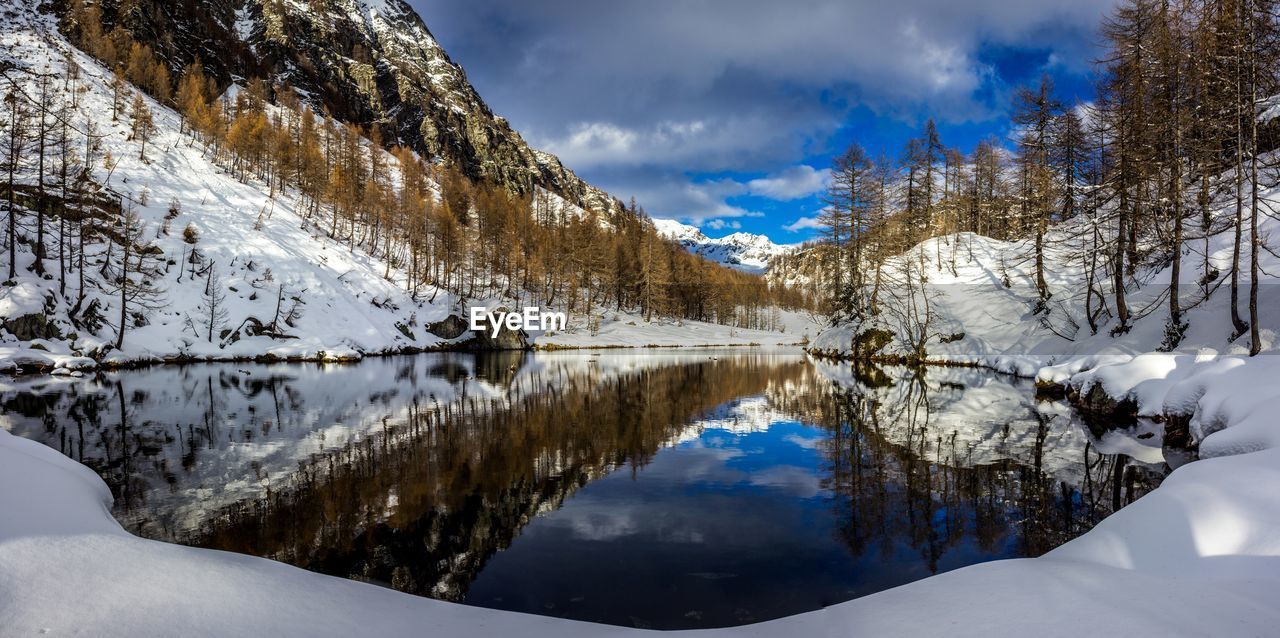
<point>372,62</point>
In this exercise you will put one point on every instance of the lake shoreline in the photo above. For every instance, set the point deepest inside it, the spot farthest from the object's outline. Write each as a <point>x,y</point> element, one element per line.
<point>34,362</point>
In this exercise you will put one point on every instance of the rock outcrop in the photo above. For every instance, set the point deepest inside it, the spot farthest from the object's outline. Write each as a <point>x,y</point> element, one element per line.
<point>450,327</point>
<point>32,326</point>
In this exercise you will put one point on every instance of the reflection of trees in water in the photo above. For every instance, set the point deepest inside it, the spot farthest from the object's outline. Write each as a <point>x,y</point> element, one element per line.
<point>915,483</point>
<point>97,429</point>
<point>145,432</point>
<point>446,478</point>
<point>425,503</point>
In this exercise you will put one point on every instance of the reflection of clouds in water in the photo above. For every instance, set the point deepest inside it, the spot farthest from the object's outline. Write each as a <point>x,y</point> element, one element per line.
<point>607,522</point>
<point>706,460</point>
<point>806,442</point>
<point>699,464</point>
<point>729,423</point>
<point>717,440</point>
<point>793,480</point>
<point>603,525</point>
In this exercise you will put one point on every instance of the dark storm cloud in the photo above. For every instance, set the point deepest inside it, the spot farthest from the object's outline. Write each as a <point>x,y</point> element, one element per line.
<point>659,89</point>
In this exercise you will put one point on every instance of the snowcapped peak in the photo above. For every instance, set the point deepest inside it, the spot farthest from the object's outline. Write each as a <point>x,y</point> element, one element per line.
<point>672,229</point>
<point>747,239</point>
<point>748,252</point>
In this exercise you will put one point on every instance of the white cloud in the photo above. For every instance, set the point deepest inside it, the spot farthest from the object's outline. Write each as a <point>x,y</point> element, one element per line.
<point>808,443</point>
<point>804,223</point>
<point>718,142</point>
<point>706,202</point>
<point>792,183</point>
<point>678,197</point>
<point>720,224</point>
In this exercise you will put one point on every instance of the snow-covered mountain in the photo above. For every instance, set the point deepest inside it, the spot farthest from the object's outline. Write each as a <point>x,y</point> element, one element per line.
<point>745,251</point>
<point>369,62</point>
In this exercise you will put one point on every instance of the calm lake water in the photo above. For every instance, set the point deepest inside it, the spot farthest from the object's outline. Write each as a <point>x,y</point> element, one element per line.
<point>664,489</point>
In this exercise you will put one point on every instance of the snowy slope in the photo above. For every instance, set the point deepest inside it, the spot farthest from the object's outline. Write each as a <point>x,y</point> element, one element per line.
<point>348,307</point>
<point>745,251</point>
<point>983,289</point>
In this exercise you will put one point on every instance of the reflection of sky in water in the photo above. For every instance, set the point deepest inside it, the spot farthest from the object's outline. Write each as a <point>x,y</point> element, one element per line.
<point>732,520</point>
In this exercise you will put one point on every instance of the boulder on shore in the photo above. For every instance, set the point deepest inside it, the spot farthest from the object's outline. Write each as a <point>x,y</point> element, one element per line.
<point>32,326</point>
<point>450,327</point>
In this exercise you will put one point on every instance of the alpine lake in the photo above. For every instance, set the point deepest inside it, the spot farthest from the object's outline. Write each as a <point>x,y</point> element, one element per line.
<point>667,489</point>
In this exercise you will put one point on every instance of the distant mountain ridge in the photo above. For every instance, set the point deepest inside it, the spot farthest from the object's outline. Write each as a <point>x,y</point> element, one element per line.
<point>747,252</point>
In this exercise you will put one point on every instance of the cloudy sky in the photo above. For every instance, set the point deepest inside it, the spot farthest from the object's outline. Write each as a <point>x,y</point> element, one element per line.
<point>725,113</point>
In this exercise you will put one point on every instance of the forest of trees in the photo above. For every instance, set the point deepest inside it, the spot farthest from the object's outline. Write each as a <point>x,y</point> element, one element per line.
<point>440,230</point>
<point>1174,132</point>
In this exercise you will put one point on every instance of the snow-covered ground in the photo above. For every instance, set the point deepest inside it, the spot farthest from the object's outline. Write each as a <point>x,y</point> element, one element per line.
<point>983,291</point>
<point>1000,329</point>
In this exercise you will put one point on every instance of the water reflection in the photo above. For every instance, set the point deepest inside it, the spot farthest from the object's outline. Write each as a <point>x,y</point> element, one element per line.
<point>660,489</point>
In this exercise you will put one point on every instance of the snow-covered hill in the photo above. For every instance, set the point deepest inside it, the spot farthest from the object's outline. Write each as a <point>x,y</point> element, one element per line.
<point>982,298</point>
<point>745,251</point>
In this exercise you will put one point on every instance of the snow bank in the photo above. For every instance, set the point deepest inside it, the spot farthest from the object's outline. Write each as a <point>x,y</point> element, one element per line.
<point>23,298</point>
<point>1232,403</point>
<point>18,359</point>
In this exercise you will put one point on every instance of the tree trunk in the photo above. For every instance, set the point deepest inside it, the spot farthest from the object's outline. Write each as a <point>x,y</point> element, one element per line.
<point>124,294</point>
